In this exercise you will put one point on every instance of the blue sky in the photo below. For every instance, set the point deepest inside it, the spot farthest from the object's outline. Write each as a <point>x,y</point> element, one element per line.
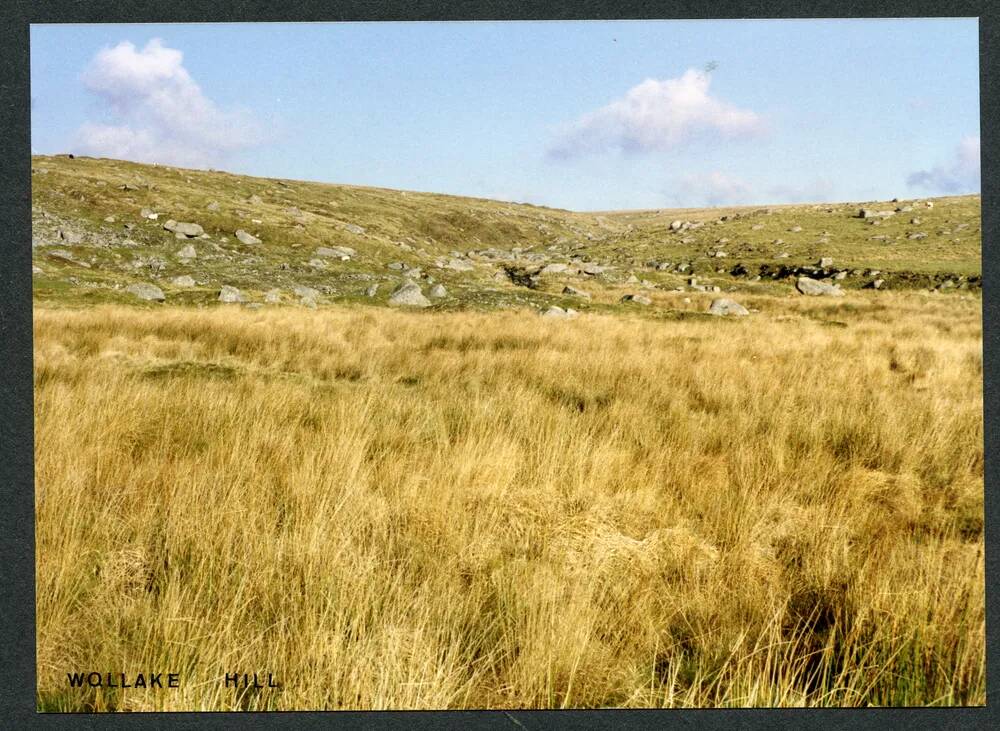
<point>582,115</point>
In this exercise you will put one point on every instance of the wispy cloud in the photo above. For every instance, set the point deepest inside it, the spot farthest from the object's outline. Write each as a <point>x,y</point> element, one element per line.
<point>718,188</point>
<point>162,113</point>
<point>961,174</point>
<point>919,104</point>
<point>715,188</point>
<point>818,190</point>
<point>657,115</point>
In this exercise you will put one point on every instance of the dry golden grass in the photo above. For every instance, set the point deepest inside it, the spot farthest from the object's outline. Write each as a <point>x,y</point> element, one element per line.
<point>459,510</point>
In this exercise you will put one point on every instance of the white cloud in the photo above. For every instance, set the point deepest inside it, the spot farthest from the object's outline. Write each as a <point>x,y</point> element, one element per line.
<point>162,114</point>
<point>959,175</point>
<point>657,115</point>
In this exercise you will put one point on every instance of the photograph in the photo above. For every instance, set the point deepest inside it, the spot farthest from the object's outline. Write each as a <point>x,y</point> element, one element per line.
<point>507,365</point>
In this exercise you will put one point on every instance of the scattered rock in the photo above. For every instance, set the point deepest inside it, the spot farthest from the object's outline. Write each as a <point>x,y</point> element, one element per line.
<point>354,228</point>
<point>109,219</point>
<point>878,283</point>
<point>185,229</point>
<point>246,238</point>
<point>67,256</point>
<point>70,237</point>
<point>438,291</point>
<point>371,291</point>
<point>825,262</point>
<point>185,280</point>
<point>187,252</point>
<point>272,296</point>
<point>459,265</point>
<point>305,292</point>
<point>676,225</point>
<point>639,299</point>
<point>408,294</point>
<point>815,288</point>
<point>230,294</point>
<point>869,213</point>
<point>149,213</point>
<point>145,291</point>
<point>724,306</point>
<point>344,253</point>
<point>213,206</point>
<point>560,313</point>
<point>36,270</point>
<point>573,291</point>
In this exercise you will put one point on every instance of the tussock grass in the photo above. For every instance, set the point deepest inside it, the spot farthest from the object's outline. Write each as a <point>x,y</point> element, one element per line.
<point>469,510</point>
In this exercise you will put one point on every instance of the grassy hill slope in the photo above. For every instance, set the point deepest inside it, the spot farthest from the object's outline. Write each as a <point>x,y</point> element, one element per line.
<point>90,241</point>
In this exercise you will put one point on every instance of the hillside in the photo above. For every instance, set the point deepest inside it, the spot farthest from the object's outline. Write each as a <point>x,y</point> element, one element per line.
<point>323,243</point>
